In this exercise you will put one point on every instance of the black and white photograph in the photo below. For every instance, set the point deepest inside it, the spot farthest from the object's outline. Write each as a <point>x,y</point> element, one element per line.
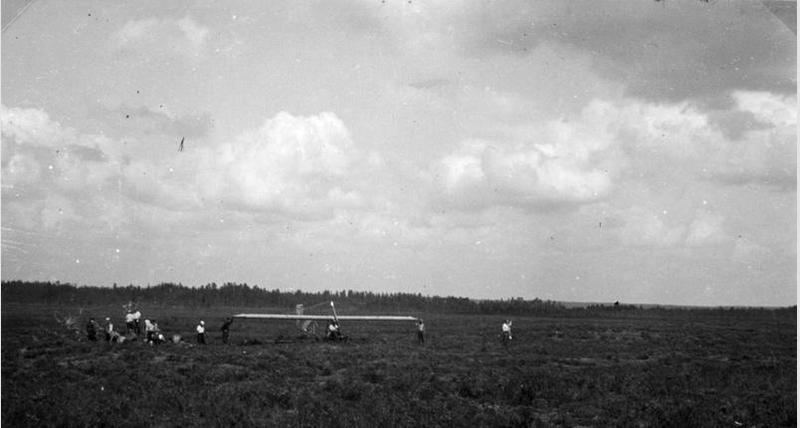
<point>397,213</point>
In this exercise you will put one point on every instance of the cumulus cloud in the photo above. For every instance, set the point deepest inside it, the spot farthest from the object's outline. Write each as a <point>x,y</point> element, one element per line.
<point>581,159</point>
<point>300,166</point>
<point>774,109</point>
<point>194,32</point>
<point>42,154</point>
<point>683,137</point>
<point>30,126</point>
<point>292,164</point>
<point>555,162</point>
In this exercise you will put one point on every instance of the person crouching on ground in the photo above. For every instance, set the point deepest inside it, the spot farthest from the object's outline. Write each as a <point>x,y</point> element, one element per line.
<point>201,333</point>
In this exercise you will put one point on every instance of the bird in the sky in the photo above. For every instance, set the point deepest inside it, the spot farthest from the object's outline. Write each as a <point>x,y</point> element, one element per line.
<point>180,149</point>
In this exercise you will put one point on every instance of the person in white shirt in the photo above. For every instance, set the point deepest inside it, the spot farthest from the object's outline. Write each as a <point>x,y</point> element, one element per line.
<point>111,335</point>
<point>136,316</point>
<point>201,333</point>
<point>130,323</point>
<point>420,331</point>
<point>333,331</point>
<point>506,331</point>
<point>109,329</point>
<point>149,330</point>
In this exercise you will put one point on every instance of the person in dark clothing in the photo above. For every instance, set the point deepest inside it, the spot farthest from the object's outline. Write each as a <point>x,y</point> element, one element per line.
<point>91,330</point>
<point>226,327</point>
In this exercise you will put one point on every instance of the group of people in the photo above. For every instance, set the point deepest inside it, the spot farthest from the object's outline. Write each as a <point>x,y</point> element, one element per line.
<point>153,334</point>
<point>505,332</point>
<point>226,331</point>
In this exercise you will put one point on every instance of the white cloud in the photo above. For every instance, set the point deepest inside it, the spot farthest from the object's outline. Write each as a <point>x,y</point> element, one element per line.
<point>134,31</point>
<point>553,162</point>
<point>30,126</point>
<point>464,168</point>
<point>680,138</point>
<point>299,165</point>
<point>53,175</point>
<point>194,32</point>
<point>304,166</point>
<point>774,109</point>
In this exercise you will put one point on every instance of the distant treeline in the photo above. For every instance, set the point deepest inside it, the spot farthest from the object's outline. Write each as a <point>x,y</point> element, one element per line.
<point>243,295</point>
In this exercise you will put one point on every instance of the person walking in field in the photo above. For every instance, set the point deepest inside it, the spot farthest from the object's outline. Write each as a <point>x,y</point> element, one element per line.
<point>506,332</point>
<point>201,333</point>
<point>420,332</point>
<point>91,329</point>
<point>226,327</point>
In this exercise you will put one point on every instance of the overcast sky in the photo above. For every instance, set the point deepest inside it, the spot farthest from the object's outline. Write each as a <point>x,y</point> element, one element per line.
<point>637,151</point>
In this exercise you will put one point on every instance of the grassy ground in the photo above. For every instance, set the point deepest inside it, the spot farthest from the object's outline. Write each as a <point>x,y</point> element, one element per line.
<point>676,369</point>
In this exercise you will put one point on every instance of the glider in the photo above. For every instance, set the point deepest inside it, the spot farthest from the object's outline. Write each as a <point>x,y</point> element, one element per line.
<point>307,323</point>
<point>299,316</point>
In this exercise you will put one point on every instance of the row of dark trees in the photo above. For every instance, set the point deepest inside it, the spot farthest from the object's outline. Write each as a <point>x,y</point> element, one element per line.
<point>231,294</point>
<point>243,295</point>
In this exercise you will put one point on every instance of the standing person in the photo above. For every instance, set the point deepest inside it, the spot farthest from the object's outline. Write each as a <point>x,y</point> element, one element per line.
<point>109,329</point>
<point>226,326</point>
<point>136,325</point>
<point>506,332</point>
<point>201,333</point>
<point>420,331</point>
<point>130,323</point>
<point>149,330</point>
<point>91,329</point>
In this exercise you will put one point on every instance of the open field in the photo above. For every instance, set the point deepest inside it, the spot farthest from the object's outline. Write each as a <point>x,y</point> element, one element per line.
<point>641,368</point>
